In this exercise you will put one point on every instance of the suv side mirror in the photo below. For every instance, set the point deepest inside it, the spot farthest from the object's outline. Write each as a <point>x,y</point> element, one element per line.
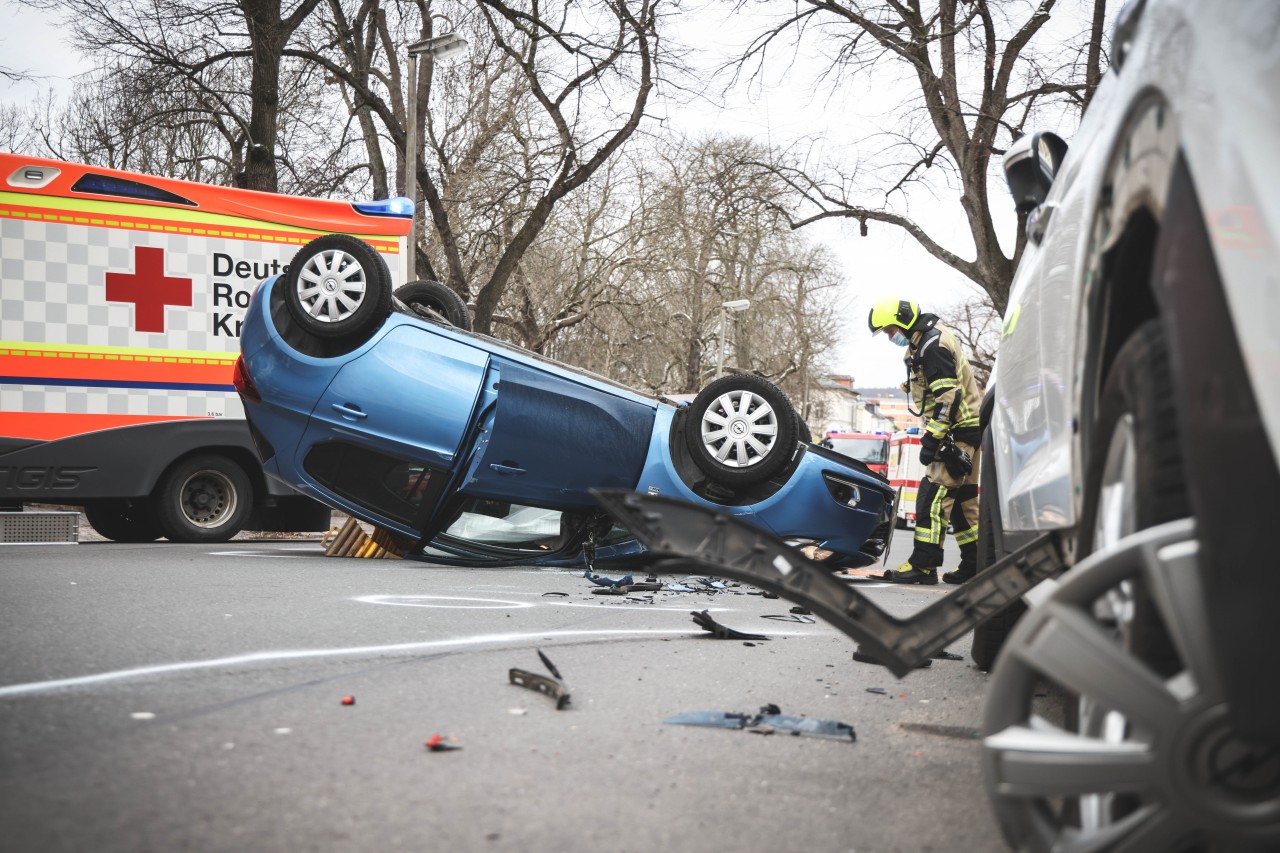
<point>1030,165</point>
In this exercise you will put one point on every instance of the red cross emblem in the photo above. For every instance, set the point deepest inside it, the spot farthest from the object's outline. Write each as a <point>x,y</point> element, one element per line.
<point>149,289</point>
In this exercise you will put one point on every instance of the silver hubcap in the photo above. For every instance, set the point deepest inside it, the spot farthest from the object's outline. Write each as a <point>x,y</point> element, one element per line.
<point>739,429</point>
<point>331,286</point>
<point>208,498</point>
<point>1164,744</point>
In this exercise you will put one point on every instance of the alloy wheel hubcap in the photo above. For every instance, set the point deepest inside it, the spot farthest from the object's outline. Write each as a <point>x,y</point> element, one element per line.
<point>739,429</point>
<point>331,286</point>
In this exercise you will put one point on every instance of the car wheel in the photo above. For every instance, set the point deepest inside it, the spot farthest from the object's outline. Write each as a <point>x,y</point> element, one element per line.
<point>990,636</point>
<point>338,287</point>
<point>437,302</point>
<point>203,499</point>
<point>1158,757</point>
<point>122,521</point>
<point>741,430</point>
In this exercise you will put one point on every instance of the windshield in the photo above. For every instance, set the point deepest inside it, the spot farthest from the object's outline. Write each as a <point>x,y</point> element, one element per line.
<point>873,451</point>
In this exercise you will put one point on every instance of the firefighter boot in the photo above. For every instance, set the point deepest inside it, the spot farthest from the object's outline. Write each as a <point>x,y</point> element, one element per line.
<point>963,574</point>
<point>907,573</point>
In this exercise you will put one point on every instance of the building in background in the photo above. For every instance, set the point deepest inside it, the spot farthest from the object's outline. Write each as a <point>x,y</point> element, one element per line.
<point>892,405</point>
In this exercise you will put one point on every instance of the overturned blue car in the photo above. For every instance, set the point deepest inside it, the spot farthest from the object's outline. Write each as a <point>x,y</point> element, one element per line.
<point>386,406</point>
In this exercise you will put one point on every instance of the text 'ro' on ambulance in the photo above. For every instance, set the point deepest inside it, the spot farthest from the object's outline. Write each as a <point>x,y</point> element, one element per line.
<point>121,297</point>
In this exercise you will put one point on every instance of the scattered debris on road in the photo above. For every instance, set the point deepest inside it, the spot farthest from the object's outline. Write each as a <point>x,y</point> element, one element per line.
<point>770,720</point>
<point>601,580</point>
<point>552,687</point>
<point>721,632</point>
<point>438,743</point>
<point>348,700</point>
<point>957,732</point>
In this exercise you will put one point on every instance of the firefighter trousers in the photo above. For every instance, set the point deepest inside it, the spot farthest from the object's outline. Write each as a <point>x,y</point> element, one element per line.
<point>944,498</point>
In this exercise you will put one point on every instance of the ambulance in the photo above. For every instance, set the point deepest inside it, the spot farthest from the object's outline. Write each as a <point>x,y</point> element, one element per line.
<point>121,299</point>
<point>905,472</point>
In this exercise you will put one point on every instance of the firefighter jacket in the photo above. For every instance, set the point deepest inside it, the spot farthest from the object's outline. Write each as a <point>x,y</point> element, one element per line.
<point>940,382</point>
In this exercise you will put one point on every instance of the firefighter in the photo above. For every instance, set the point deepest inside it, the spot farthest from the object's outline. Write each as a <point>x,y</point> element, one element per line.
<point>943,392</point>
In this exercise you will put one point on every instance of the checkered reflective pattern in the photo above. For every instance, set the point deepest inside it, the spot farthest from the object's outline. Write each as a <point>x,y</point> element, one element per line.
<point>53,291</point>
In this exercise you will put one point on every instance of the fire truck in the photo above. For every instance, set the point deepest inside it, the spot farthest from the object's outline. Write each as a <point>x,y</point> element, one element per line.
<point>121,298</point>
<point>869,447</point>
<point>905,472</point>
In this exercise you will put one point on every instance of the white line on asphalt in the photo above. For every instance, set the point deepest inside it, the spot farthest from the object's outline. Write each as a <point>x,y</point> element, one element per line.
<point>36,687</point>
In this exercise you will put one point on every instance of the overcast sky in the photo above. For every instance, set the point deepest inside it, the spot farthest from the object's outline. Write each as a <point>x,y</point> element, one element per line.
<point>783,108</point>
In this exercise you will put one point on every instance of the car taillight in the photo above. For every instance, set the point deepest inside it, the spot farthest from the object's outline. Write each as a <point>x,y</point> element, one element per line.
<point>244,383</point>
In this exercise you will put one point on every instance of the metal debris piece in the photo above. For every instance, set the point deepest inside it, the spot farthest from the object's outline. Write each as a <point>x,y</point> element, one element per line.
<point>677,587</point>
<point>879,690</point>
<point>553,687</point>
<point>564,594</point>
<point>611,590</point>
<point>801,611</point>
<point>645,586</point>
<point>551,668</point>
<point>766,724</point>
<point>714,584</point>
<point>704,621</point>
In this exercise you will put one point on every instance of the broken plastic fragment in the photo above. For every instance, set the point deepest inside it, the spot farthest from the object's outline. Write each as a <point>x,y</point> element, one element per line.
<point>436,743</point>
<point>766,724</point>
<point>348,700</point>
<point>677,587</point>
<point>625,580</point>
<point>704,621</point>
<point>143,715</point>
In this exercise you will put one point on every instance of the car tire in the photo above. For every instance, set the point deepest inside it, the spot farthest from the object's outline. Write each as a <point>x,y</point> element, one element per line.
<point>741,430</point>
<point>205,498</point>
<point>437,302</point>
<point>123,521</point>
<point>1136,478</point>
<point>990,636</point>
<point>338,288</point>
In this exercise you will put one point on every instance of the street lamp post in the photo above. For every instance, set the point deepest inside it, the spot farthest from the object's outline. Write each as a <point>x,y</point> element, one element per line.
<point>439,47</point>
<point>734,305</point>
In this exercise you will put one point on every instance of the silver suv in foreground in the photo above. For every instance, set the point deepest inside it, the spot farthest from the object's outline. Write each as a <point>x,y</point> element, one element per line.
<point>1135,410</point>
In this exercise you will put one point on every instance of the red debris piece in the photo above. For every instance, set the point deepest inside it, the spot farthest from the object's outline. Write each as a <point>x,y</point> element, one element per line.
<point>348,700</point>
<point>436,743</point>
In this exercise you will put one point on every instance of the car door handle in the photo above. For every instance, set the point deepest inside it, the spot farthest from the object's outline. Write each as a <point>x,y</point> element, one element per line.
<point>350,411</point>
<point>507,470</point>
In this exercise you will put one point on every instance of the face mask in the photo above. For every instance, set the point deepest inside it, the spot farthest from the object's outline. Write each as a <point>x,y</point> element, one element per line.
<point>900,339</point>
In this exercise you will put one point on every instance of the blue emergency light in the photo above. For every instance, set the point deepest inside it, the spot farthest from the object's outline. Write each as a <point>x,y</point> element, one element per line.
<point>398,206</point>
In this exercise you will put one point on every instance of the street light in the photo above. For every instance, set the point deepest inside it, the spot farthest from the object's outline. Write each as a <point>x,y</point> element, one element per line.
<point>439,47</point>
<point>734,305</point>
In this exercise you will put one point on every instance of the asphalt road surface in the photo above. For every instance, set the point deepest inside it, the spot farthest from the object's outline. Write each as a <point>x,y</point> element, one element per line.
<point>177,697</point>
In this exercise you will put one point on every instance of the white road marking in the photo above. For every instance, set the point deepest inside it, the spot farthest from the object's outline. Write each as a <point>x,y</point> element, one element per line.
<point>38,687</point>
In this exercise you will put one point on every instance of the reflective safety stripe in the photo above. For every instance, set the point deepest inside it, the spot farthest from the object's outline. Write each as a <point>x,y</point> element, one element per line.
<point>932,532</point>
<point>48,426</point>
<point>966,536</point>
<point>942,384</point>
<point>69,364</point>
<point>935,428</point>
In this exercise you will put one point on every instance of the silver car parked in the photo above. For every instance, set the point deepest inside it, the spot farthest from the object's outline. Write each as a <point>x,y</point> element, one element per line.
<point>1135,409</point>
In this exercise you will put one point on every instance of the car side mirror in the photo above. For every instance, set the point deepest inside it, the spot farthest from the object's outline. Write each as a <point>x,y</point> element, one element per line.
<point>1030,165</point>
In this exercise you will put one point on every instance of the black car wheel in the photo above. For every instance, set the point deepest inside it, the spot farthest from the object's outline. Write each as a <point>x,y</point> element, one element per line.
<point>437,302</point>
<point>203,499</point>
<point>123,521</point>
<point>741,430</point>
<point>338,287</point>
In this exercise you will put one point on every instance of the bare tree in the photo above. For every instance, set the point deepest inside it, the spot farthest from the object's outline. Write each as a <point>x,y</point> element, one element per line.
<point>977,325</point>
<point>981,70</point>
<point>187,46</point>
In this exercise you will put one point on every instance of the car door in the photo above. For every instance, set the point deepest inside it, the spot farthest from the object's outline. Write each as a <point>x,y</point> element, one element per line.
<point>413,395</point>
<point>548,439</point>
